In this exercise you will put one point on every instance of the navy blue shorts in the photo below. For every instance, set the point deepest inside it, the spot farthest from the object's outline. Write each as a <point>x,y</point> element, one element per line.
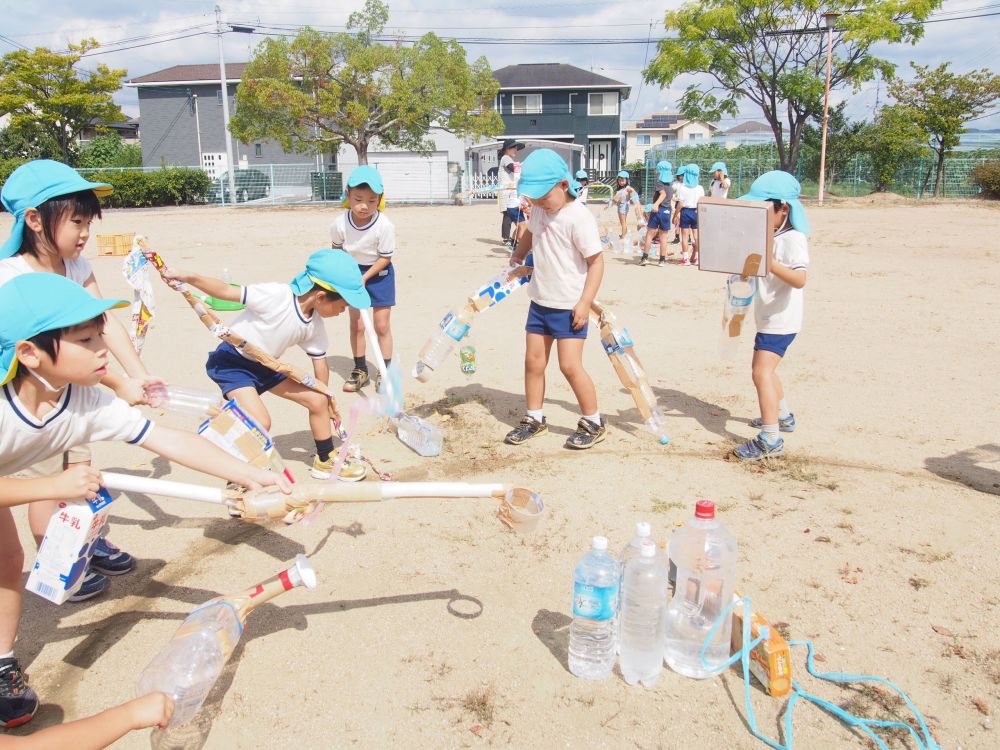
<point>516,215</point>
<point>689,218</point>
<point>659,220</point>
<point>773,342</point>
<point>381,288</point>
<point>230,371</point>
<point>549,321</point>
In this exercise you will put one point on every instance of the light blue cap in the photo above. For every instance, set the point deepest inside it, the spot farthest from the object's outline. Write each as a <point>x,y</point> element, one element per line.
<point>365,175</point>
<point>691,174</point>
<point>31,184</point>
<point>666,170</point>
<point>581,174</point>
<point>542,171</point>
<point>34,303</point>
<point>720,166</point>
<point>679,174</point>
<point>778,185</point>
<point>623,174</point>
<point>336,271</point>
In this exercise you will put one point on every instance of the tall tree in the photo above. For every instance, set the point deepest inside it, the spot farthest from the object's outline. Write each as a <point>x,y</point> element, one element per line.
<point>842,143</point>
<point>940,102</point>
<point>43,90</point>
<point>891,141</point>
<point>315,91</point>
<point>744,47</point>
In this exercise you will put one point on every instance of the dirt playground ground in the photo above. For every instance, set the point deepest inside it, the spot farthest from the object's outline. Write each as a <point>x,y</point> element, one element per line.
<point>435,627</point>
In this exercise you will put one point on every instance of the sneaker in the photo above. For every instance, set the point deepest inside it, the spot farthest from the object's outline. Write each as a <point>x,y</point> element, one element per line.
<point>18,702</point>
<point>350,471</point>
<point>644,259</point>
<point>684,262</point>
<point>109,560</point>
<point>757,448</point>
<point>694,262</point>
<point>675,241</point>
<point>661,262</point>
<point>784,425</point>
<point>93,584</point>
<point>587,435</point>
<point>357,380</point>
<point>527,429</point>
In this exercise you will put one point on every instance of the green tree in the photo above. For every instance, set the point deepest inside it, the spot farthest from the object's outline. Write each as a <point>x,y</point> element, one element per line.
<point>44,89</point>
<point>941,102</point>
<point>890,142</point>
<point>842,143</point>
<point>26,141</point>
<point>316,91</point>
<point>744,48</point>
<point>110,151</point>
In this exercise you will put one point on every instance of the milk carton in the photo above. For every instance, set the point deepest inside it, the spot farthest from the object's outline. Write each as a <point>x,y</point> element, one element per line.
<point>65,552</point>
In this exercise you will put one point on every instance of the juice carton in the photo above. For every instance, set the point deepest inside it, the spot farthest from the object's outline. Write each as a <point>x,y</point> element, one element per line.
<point>65,552</point>
<point>236,433</point>
<point>770,660</point>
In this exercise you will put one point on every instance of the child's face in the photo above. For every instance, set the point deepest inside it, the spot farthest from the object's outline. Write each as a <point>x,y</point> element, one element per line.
<point>70,236</point>
<point>555,199</point>
<point>329,308</point>
<point>81,359</point>
<point>780,215</point>
<point>622,182</point>
<point>363,201</point>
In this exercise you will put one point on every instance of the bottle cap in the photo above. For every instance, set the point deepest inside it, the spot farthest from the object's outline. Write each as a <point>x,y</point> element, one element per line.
<point>704,509</point>
<point>647,549</point>
<point>642,529</point>
<point>600,543</point>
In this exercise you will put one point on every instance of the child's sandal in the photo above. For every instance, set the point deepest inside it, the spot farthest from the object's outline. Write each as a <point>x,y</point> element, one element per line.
<point>527,429</point>
<point>587,435</point>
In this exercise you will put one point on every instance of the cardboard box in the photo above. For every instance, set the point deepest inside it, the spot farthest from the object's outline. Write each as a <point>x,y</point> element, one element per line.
<point>115,244</point>
<point>770,660</point>
<point>68,545</point>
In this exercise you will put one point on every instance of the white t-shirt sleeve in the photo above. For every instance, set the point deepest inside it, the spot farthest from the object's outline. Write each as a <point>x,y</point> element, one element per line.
<point>260,298</point>
<point>79,270</point>
<point>338,231</point>
<point>109,418</point>
<point>315,345</point>
<point>386,238</point>
<point>587,236</point>
<point>794,251</point>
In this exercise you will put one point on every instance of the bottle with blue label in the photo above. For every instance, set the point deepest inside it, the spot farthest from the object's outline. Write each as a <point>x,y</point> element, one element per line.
<point>595,601</point>
<point>452,329</point>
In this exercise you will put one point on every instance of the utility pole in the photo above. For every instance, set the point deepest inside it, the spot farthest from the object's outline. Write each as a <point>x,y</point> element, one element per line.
<point>197,126</point>
<point>230,166</point>
<point>831,20</point>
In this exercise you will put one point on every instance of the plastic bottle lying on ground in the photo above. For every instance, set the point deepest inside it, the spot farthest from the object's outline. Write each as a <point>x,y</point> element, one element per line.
<point>418,434</point>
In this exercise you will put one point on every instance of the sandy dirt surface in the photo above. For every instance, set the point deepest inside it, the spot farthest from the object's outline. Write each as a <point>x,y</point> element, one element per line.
<point>434,626</point>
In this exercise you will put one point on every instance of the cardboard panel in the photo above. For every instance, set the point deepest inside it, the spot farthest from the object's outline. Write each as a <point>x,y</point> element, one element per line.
<point>735,236</point>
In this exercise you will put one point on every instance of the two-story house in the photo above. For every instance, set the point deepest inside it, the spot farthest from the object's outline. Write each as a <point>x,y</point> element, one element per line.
<point>560,102</point>
<point>664,127</point>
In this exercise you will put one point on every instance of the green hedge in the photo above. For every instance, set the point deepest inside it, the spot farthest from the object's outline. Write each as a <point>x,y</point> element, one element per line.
<point>171,186</point>
<point>986,176</point>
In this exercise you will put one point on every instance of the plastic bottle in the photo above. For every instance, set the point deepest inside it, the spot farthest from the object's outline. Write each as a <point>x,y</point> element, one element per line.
<point>595,599</point>
<point>644,598</point>
<point>186,401</point>
<point>226,276</point>
<point>739,296</point>
<point>467,354</point>
<point>705,554</point>
<point>453,328</point>
<point>642,533</point>
<point>421,436</point>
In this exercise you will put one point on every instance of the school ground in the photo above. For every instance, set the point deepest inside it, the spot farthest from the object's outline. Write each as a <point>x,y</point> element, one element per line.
<point>434,626</point>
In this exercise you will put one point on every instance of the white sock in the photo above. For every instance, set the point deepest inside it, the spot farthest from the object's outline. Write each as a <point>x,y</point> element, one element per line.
<point>535,414</point>
<point>783,411</point>
<point>8,655</point>
<point>595,418</point>
<point>770,433</point>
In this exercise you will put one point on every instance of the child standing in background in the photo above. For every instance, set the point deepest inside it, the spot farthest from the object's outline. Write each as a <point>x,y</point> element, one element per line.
<point>688,196</point>
<point>508,174</point>
<point>624,197</point>
<point>675,205</point>
<point>719,188</point>
<point>584,180</point>
<point>659,219</point>
<point>370,238</point>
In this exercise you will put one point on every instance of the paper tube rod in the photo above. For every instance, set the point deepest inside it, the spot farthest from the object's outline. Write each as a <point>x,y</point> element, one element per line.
<point>162,487</point>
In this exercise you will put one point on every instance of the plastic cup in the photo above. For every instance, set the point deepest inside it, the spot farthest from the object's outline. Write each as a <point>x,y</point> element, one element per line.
<point>521,510</point>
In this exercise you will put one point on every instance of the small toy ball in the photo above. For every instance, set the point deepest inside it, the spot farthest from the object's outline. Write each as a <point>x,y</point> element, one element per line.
<point>664,440</point>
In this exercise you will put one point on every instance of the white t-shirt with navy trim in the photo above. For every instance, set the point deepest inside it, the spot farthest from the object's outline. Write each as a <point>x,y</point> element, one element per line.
<point>83,415</point>
<point>274,321</point>
<point>778,307</point>
<point>719,188</point>
<point>561,243</point>
<point>77,269</point>
<point>366,244</point>
<point>689,195</point>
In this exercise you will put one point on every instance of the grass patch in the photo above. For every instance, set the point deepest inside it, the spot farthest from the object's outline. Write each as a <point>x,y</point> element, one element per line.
<point>927,556</point>
<point>919,583</point>
<point>481,703</point>
<point>873,702</point>
<point>665,506</point>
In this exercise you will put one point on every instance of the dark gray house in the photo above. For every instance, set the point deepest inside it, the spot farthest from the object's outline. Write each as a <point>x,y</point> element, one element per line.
<point>181,113</point>
<point>560,102</point>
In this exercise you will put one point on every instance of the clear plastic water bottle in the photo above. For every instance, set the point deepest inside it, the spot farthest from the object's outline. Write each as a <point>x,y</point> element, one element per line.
<point>739,296</point>
<point>705,554</point>
<point>421,436</point>
<point>453,328</point>
<point>644,599</point>
<point>643,533</point>
<point>595,599</point>
<point>185,401</point>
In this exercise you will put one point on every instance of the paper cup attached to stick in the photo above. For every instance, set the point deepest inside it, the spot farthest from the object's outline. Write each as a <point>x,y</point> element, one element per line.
<point>521,510</point>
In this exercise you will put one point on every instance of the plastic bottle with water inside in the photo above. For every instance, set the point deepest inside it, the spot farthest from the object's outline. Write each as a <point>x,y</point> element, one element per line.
<point>705,554</point>
<point>190,402</point>
<point>595,600</point>
<point>740,292</point>
<point>643,532</point>
<point>644,599</point>
<point>420,435</point>
<point>451,330</point>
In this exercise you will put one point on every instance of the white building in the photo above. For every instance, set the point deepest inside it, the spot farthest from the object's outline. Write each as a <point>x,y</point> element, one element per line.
<point>664,127</point>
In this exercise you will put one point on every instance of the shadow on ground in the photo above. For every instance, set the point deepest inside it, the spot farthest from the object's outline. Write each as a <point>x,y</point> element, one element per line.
<point>970,467</point>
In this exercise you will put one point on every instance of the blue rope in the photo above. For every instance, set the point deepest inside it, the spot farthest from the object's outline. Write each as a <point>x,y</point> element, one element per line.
<point>924,740</point>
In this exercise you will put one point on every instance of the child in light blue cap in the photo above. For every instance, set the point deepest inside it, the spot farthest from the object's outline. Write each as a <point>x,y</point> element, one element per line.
<point>563,235</point>
<point>719,187</point>
<point>624,197</point>
<point>688,195</point>
<point>658,221</point>
<point>584,179</point>
<point>778,309</point>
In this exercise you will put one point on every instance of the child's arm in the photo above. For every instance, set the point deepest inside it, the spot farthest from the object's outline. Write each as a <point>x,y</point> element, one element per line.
<point>522,249</point>
<point>377,267</point>
<point>199,454</point>
<point>99,731</point>
<point>321,369</point>
<point>595,273</point>
<point>78,481</point>
<point>794,279</point>
<point>211,286</point>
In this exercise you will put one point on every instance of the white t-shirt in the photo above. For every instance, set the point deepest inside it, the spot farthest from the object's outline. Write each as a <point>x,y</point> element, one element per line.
<point>675,186</point>
<point>581,194</point>
<point>508,182</point>
<point>77,269</point>
<point>83,415</point>
<point>561,243</point>
<point>719,188</point>
<point>778,307</point>
<point>689,196</point>
<point>376,239</point>
<point>274,322</point>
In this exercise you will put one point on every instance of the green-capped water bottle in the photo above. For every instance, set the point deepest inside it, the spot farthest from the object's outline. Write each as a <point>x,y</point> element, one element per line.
<point>467,355</point>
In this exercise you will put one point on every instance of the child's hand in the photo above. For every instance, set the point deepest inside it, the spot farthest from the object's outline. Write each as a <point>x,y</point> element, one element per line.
<point>176,276</point>
<point>135,391</point>
<point>258,479</point>
<point>79,481</point>
<point>581,312</point>
<point>152,710</point>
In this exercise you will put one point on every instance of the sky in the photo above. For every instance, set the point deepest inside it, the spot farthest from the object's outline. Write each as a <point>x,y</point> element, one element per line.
<point>967,44</point>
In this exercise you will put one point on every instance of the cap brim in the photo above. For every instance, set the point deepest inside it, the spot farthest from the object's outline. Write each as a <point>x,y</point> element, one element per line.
<point>536,190</point>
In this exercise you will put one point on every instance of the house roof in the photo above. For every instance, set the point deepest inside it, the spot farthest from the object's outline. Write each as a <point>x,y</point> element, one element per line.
<point>554,76</point>
<point>201,73</point>
<point>751,126</point>
<point>664,121</point>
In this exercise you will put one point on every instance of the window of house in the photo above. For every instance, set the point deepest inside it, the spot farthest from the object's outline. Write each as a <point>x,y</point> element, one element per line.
<point>603,104</point>
<point>666,138</point>
<point>218,97</point>
<point>696,136</point>
<point>526,104</point>
<point>642,139</point>
<point>258,150</point>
